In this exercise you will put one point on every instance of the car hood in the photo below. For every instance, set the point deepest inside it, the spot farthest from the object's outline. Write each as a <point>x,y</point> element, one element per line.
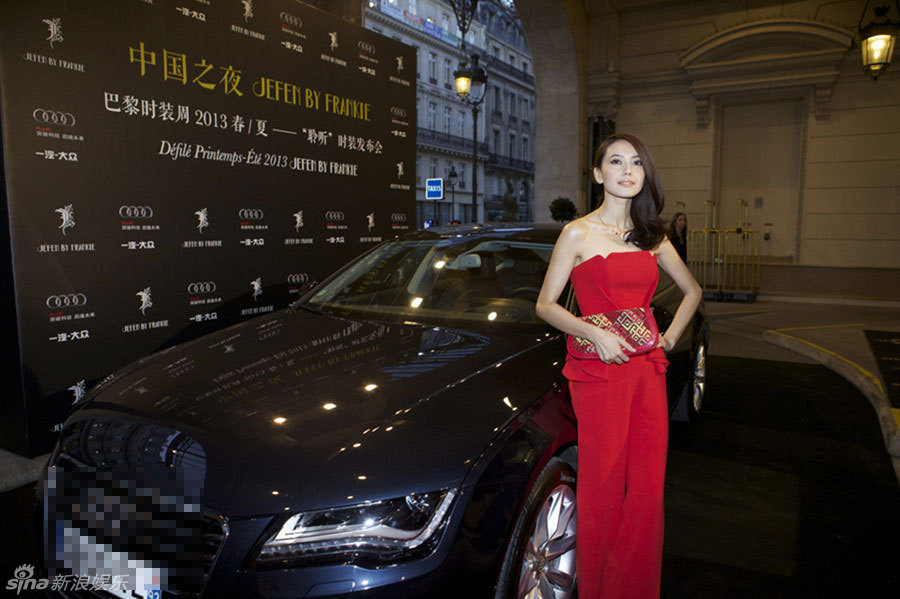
<point>298,410</point>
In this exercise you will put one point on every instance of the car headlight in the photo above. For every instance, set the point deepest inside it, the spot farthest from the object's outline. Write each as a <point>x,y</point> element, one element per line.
<point>374,532</point>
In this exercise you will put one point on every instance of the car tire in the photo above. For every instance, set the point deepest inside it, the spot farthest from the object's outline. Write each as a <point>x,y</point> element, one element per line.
<point>690,402</point>
<point>540,557</point>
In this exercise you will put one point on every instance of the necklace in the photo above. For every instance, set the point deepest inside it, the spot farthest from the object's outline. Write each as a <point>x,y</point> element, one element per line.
<point>616,231</point>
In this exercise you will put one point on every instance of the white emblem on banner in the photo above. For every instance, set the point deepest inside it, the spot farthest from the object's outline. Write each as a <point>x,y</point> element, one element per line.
<point>248,10</point>
<point>370,218</point>
<point>333,37</point>
<point>67,214</point>
<point>201,214</point>
<point>146,302</point>
<point>298,220</point>
<point>54,27</point>
<point>257,287</point>
<point>78,391</point>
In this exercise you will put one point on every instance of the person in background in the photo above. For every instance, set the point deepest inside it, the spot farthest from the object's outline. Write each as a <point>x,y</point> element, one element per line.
<point>678,234</point>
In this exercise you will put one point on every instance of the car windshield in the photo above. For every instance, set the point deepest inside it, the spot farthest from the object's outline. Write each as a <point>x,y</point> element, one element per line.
<point>449,278</point>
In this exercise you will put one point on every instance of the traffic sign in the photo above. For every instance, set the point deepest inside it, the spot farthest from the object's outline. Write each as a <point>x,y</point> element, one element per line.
<point>434,189</point>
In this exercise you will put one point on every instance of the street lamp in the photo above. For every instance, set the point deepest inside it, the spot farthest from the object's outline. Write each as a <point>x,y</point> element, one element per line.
<point>453,176</point>
<point>471,85</point>
<point>877,39</point>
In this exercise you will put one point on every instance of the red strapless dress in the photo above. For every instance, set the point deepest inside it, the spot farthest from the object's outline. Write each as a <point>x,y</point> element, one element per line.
<point>622,439</point>
<point>614,282</point>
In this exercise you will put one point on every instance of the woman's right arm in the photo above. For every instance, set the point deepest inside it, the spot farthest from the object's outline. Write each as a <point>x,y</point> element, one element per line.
<point>565,252</point>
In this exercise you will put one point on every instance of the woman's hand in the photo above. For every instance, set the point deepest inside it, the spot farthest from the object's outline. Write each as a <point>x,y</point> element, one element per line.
<point>610,347</point>
<point>663,343</point>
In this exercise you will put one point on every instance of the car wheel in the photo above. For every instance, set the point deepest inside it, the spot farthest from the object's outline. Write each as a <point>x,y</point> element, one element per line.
<point>690,403</point>
<point>540,556</point>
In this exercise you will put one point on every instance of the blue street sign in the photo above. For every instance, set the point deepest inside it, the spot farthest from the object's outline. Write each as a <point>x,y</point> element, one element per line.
<point>434,189</point>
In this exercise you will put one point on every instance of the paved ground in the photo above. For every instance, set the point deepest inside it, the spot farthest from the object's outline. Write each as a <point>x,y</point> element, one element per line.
<point>779,492</point>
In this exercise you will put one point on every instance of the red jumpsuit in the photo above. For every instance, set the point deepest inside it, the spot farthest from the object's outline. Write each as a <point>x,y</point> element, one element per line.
<point>623,430</point>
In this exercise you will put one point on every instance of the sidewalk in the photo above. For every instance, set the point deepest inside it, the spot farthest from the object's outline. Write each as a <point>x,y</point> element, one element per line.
<point>788,329</point>
<point>830,332</point>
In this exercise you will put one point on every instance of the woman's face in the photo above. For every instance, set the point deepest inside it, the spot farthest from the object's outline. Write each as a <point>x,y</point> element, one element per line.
<point>620,170</point>
<point>680,223</point>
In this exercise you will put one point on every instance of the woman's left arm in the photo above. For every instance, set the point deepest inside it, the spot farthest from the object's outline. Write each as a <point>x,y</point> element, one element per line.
<point>671,262</point>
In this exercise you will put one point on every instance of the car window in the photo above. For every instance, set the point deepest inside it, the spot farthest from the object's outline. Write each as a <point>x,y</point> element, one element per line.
<point>468,279</point>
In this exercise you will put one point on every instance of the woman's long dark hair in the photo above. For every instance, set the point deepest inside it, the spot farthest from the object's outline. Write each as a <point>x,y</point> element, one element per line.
<point>649,229</point>
<point>673,231</point>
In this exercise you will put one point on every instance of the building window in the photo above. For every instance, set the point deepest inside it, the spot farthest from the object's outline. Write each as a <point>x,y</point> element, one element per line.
<point>497,105</point>
<point>512,145</point>
<point>512,60</point>
<point>525,114</point>
<point>496,141</point>
<point>418,170</point>
<point>462,176</point>
<point>432,67</point>
<point>512,104</point>
<point>524,66</point>
<point>448,73</point>
<point>413,9</point>
<point>445,22</point>
<point>447,120</point>
<point>432,115</point>
<point>433,168</point>
<point>525,154</point>
<point>462,123</point>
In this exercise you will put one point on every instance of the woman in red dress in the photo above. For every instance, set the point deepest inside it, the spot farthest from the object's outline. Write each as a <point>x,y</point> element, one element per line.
<point>611,256</point>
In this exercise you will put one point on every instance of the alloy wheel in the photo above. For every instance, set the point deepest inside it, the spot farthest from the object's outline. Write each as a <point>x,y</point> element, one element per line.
<point>699,386</point>
<point>548,565</point>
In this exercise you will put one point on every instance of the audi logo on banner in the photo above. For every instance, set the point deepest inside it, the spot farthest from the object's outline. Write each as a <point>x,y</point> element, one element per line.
<point>366,47</point>
<point>290,19</point>
<point>334,215</point>
<point>135,211</point>
<point>297,278</point>
<point>68,300</point>
<point>398,112</point>
<point>53,117</point>
<point>204,287</point>
<point>398,217</point>
<point>251,214</point>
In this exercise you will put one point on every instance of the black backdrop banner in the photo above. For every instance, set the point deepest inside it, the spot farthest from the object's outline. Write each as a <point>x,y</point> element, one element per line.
<point>173,167</point>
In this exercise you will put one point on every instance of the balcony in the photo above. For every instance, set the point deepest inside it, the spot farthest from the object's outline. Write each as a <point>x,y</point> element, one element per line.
<point>498,65</point>
<point>498,161</point>
<point>446,141</point>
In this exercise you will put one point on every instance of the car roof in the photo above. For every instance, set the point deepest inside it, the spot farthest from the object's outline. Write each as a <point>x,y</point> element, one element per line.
<point>532,232</point>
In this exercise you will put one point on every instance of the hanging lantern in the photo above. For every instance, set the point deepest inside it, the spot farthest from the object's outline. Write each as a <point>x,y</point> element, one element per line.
<point>877,39</point>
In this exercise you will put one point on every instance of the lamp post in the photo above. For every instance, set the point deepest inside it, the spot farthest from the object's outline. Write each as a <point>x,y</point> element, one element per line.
<point>453,176</point>
<point>877,38</point>
<point>471,85</point>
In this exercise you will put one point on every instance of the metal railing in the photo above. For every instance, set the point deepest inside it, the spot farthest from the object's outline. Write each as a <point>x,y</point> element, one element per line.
<point>500,161</point>
<point>725,262</point>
